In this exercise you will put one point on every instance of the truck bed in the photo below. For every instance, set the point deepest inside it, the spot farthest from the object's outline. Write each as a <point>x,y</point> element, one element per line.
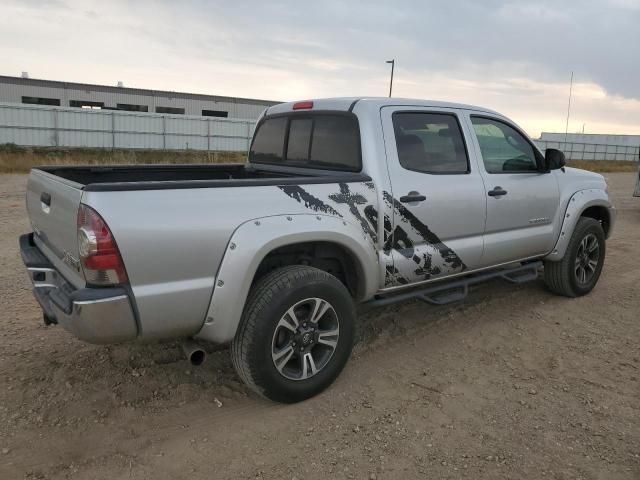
<point>158,177</point>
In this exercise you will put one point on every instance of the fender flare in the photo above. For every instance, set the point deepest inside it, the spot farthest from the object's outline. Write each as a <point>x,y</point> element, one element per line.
<point>253,240</point>
<point>577,204</point>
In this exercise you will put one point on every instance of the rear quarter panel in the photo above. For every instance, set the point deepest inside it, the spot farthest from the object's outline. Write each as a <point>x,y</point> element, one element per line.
<point>173,241</point>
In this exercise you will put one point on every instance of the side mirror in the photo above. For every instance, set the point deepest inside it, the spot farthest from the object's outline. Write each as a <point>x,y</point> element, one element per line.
<point>554,159</point>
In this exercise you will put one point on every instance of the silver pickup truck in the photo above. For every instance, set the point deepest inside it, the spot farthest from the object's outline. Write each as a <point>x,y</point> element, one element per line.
<point>341,202</point>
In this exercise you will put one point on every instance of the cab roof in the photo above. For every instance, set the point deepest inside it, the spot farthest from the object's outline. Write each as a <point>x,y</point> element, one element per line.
<point>349,103</point>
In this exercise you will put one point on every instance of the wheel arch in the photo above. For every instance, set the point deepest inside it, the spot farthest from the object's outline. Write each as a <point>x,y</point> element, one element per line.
<point>332,257</point>
<point>260,245</point>
<point>592,203</point>
<point>600,213</point>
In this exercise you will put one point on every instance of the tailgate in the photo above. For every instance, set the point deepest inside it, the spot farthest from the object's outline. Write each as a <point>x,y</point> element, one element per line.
<point>52,204</point>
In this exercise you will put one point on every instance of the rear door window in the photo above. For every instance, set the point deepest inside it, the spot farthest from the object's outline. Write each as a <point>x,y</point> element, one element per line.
<point>430,142</point>
<point>323,141</point>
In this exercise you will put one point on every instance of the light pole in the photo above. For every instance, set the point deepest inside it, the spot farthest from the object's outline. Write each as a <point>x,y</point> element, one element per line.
<point>393,64</point>
<point>566,129</point>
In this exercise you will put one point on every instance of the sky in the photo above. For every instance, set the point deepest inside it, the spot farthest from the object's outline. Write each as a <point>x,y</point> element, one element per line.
<point>515,57</point>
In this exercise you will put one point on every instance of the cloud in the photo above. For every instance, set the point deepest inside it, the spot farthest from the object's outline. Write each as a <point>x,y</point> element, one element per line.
<point>513,56</point>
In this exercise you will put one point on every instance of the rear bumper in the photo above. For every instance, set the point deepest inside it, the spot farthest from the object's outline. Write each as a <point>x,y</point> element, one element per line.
<point>95,315</point>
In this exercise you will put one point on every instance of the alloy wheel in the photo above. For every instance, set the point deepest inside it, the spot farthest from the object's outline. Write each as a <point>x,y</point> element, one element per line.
<point>305,339</point>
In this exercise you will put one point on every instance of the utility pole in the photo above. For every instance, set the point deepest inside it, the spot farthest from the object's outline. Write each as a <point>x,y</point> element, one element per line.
<point>566,129</point>
<point>393,64</point>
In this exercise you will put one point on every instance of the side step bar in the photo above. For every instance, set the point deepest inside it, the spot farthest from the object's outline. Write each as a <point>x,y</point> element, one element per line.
<point>458,289</point>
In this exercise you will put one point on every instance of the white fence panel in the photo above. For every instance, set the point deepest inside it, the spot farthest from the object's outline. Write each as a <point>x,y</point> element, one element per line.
<point>80,138</point>
<point>23,136</point>
<point>131,123</point>
<point>148,141</point>
<point>592,151</point>
<point>44,126</point>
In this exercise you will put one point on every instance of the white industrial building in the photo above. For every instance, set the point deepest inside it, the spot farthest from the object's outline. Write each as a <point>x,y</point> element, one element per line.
<point>31,91</point>
<point>44,113</point>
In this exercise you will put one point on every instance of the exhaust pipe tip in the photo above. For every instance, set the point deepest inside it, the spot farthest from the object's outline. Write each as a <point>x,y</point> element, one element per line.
<point>194,352</point>
<point>197,357</point>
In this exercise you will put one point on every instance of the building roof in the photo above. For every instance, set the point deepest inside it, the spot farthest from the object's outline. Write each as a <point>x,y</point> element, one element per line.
<point>33,82</point>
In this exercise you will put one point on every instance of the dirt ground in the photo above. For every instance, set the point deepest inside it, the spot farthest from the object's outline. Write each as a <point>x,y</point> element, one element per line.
<point>511,383</point>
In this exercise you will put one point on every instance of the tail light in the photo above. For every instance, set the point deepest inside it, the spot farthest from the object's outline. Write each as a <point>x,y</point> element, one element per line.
<point>99,254</point>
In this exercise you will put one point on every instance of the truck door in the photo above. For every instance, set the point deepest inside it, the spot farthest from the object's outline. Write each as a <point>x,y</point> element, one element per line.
<point>522,199</point>
<point>437,198</point>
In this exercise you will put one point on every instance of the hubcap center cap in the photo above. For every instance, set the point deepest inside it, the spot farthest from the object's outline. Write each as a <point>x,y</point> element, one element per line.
<point>306,338</point>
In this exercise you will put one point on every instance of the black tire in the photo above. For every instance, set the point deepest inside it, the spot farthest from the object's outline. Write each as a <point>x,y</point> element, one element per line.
<point>561,277</point>
<point>261,328</point>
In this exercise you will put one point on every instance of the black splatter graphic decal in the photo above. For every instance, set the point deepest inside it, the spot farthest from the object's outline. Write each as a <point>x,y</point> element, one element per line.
<point>436,260</point>
<point>372,215</point>
<point>301,195</point>
<point>450,257</point>
<point>353,200</point>
<point>393,276</point>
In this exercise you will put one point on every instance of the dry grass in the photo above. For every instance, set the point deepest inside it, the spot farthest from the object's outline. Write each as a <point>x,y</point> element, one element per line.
<point>15,159</point>
<point>604,166</point>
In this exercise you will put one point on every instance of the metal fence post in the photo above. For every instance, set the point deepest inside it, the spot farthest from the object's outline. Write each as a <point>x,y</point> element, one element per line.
<point>164,132</point>
<point>248,135</point>
<point>113,131</point>
<point>208,135</point>
<point>56,134</point>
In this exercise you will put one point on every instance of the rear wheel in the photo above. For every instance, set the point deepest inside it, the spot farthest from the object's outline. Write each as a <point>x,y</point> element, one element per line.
<point>296,334</point>
<point>578,271</point>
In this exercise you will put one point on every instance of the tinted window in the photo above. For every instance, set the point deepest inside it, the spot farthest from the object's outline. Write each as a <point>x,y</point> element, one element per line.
<point>324,141</point>
<point>41,101</point>
<point>132,108</point>
<point>86,104</point>
<point>299,139</point>
<point>174,110</point>
<point>503,148</point>
<point>336,142</point>
<point>215,113</point>
<point>430,142</point>
<point>268,141</point>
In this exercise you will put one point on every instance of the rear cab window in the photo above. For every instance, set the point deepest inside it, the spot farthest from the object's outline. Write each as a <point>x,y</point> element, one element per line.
<point>328,141</point>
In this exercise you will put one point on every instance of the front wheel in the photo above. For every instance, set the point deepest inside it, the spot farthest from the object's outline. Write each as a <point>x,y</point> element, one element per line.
<point>578,271</point>
<point>296,334</point>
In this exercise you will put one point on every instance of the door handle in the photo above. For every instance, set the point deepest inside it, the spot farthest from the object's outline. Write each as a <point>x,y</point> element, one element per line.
<point>45,198</point>
<point>497,192</point>
<point>412,197</point>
